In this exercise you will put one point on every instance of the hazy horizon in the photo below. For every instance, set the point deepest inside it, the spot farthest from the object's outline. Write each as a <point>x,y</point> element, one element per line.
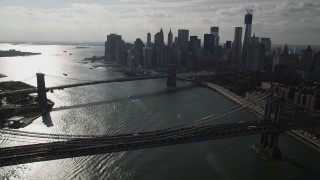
<point>284,21</point>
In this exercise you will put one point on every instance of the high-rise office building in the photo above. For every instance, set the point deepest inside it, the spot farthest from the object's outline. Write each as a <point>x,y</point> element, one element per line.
<point>237,47</point>
<point>158,39</point>
<point>248,22</point>
<point>316,58</point>
<point>138,52</point>
<point>175,40</point>
<point>226,51</point>
<point>254,61</point>
<point>147,55</point>
<point>161,38</point>
<point>121,52</point>
<point>194,43</point>
<point>165,57</point>
<point>215,31</point>
<point>289,60</point>
<point>170,38</point>
<point>267,44</point>
<point>183,39</point>
<point>110,47</point>
<point>209,42</point>
<point>148,40</point>
<point>307,59</point>
<point>130,55</point>
<point>247,35</point>
<point>228,45</point>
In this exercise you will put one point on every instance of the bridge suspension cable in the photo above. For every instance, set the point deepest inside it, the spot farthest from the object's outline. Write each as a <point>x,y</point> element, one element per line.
<point>228,115</point>
<point>28,78</point>
<point>69,78</point>
<point>43,135</point>
<point>234,109</point>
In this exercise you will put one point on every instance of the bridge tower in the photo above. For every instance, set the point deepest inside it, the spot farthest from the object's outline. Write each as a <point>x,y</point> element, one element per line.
<point>172,80</point>
<point>269,141</point>
<point>42,93</point>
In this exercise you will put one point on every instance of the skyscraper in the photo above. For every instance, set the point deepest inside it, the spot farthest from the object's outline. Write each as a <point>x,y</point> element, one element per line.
<point>161,37</point>
<point>247,35</point>
<point>110,47</point>
<point>267,44</point>
<point>307,59</point>
<point>228,45</point>
<point>148,40</point>
<point>183,39</point>
<point>248,21</point>
<point>170,38</point>
<point>194,43</point>
<point>209,42</point>
<point>237,46</point>
<point>316,59</point>
<point>147,53</point>
<point>121,52</point>
<point>158,39</point>
<point>215,31</point>
<point>255,55</point>
<point>138,52</point>
<point>130,56</point>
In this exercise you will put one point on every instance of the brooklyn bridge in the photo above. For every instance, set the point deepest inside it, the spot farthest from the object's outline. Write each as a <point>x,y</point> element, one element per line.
<point>273,122</point>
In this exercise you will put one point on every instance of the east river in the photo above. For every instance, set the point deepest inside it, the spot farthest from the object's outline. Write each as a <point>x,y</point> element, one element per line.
<point>115,108</point>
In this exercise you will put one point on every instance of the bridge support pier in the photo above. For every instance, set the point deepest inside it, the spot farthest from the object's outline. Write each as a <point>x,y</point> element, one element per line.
<point>272,115</point>
<point>41,90</point>
<point>172,80</point>
<point>276,153</point>
<point>269,146</point>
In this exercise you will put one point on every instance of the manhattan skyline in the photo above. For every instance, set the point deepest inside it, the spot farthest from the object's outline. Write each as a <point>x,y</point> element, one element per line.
<point>292,22</point>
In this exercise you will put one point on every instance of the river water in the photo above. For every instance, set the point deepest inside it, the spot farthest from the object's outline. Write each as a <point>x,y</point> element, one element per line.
<point>133,107</point>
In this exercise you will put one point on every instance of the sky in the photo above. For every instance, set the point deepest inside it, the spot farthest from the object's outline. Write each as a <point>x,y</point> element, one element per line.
<point>284,21</point>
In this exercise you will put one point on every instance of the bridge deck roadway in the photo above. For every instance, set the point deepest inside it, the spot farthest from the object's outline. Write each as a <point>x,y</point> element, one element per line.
<point>125,142</point>
<point>34,90</point>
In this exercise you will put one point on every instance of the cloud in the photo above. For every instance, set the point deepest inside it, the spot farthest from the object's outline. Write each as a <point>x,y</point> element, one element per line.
<point>291,7</point>
<point>134,18</point>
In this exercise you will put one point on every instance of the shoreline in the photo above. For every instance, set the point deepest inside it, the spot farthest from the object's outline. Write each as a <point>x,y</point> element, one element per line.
<point>234,97</point>
<point>296,134</point>
<point>312,143</point>
<point>20,111</point>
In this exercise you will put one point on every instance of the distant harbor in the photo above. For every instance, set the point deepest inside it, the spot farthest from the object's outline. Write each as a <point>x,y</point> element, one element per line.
<point>13,53</point>
<point>79,47</point>
<point>94,58</point>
